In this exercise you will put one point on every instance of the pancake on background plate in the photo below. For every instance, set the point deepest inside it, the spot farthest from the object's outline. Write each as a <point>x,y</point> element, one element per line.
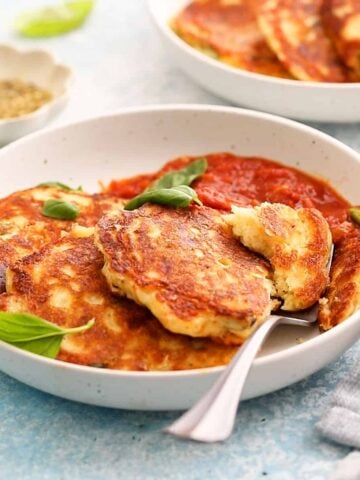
<point>227,30</point>
<point>294,31</point>
<point>341,19</point>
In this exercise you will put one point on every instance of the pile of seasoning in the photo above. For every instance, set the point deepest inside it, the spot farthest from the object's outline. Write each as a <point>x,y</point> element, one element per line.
<point>19,98</point>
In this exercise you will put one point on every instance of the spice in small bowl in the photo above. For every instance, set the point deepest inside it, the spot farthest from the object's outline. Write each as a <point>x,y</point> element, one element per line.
<point>19,98</point>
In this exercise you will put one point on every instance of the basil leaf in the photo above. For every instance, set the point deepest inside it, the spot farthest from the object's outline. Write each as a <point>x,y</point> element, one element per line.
<point>180,196</point>
<point>54,20</point>
<point>185,176</point>
<point>354,213</point>
<point>210,52</point>
<point>35,334</point>
<point>60,209</point>
<point>47,347</point>
<point>62,186</point>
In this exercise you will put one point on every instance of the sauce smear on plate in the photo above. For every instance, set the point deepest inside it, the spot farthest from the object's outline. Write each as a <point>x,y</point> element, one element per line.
<point>243,181</point>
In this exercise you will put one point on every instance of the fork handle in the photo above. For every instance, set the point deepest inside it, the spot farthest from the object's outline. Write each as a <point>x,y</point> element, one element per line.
<point>212,418</point>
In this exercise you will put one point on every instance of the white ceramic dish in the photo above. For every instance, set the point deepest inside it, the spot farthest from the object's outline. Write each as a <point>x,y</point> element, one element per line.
<point>141,140</point>
<point>41,68</point>
<point>323,102</point>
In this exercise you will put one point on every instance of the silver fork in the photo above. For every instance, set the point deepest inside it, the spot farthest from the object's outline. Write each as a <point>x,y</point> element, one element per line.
<point>212,418</point>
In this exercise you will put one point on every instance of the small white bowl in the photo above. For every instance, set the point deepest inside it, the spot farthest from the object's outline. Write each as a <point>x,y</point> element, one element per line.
<point>38,67</point>
<point>323,102</point>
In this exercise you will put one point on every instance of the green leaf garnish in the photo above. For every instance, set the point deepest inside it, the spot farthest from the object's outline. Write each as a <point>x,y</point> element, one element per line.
<point>181,196</point>
<point>35,334</point>
<point>185,176</point>
<point>54,20</point>
<point>59,185</point>
<point>354,213</point>
<point>173,188</point>
<point>60,209</point>
<point>210,52</point>
<point>62,186</point>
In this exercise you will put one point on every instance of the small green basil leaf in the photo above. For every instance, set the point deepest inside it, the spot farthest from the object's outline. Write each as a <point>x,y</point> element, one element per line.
<point>53,20</point>
<point>355,214</point>
<point>35,334</point>
<point>181,197</point>
<point>60,209</point>
<point>185,176</point>
<point>15,327</point>
<point>62,186</point>
<point>47,347</point>
<point>210,52</point>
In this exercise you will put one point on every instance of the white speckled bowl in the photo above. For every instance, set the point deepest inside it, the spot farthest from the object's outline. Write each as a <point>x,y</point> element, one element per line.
<point>142,140</point>
<point>39,67</point>
<point>323,102</point>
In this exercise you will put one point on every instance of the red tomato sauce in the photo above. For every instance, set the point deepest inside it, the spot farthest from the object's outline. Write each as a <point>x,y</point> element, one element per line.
<point>246,181</point>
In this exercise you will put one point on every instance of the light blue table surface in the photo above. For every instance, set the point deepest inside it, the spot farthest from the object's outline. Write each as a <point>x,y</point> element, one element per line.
<point>119,61</point>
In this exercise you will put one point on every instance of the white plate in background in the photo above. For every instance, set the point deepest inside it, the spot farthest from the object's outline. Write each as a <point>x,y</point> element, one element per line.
<point>313,101</point>
<point>142,140</point>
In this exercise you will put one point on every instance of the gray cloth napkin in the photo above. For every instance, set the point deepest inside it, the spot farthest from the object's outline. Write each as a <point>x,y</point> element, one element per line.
<point>341,423</point>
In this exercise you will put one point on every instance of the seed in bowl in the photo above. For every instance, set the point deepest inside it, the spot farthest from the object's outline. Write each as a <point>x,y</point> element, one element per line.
<point>19,98</point>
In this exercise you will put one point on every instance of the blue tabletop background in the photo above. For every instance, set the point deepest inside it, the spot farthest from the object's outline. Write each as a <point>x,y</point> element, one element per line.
<point>119,61</point>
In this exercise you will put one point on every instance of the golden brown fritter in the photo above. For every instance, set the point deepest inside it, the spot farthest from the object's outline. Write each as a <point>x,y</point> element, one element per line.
<point>341,19</point>
<point>24,229</point>
<point>297,244</point>
<point>294,31</point>
<point>188,269</point>
<point>342,298</point>
<point>228,30</point>
<point>63,284</point>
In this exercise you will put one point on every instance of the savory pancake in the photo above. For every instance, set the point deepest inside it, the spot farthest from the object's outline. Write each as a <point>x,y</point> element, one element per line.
<point>227,30</point>
<point>294,31</point>
<point>341,19</point>
<point>24,229</point>
<point>342,298</point>
<point>188,269</point>
<point>297,244</point>
<point>63,284</point>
